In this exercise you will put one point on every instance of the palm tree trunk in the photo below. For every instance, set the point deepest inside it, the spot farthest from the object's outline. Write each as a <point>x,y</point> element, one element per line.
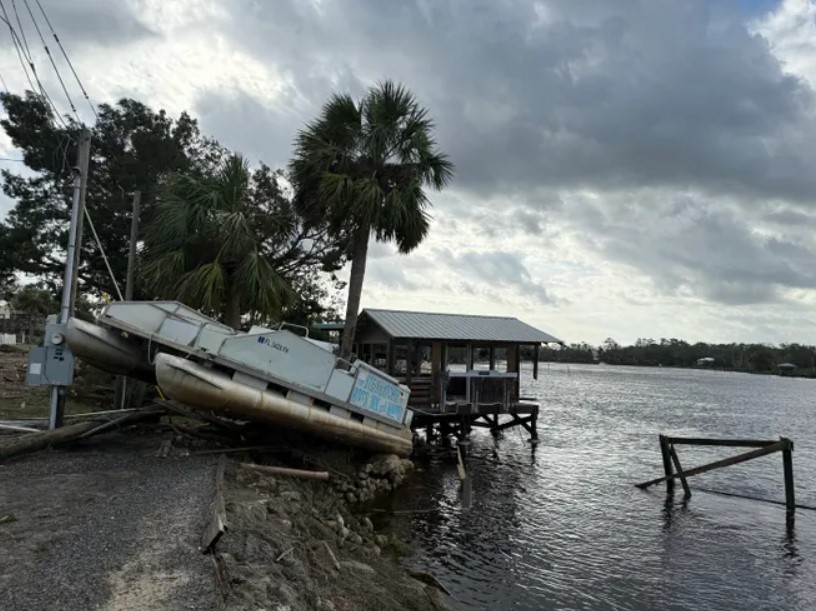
<point>358,265</point>
<point>232,309</point>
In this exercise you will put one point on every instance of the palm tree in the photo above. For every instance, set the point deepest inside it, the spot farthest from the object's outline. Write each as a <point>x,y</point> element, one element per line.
<point>207,243</point>
<point>362,167</point>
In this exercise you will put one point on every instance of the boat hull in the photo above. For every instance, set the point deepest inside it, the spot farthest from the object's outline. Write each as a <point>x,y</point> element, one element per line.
<point>197,386</point>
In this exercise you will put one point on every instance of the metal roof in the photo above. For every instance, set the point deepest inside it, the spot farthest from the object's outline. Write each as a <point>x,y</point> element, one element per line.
<point>457,327</point>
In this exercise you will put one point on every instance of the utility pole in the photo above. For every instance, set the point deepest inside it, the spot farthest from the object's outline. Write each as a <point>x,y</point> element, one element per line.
<point>121,387</point>
<point>84,158</point>
<point>57,398</point>
<point>134,237</point>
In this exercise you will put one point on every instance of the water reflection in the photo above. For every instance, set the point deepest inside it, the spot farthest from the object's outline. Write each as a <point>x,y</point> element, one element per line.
<point>561,525</point>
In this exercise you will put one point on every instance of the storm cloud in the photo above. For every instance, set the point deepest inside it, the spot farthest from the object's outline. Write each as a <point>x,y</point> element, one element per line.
<point>621,164</point>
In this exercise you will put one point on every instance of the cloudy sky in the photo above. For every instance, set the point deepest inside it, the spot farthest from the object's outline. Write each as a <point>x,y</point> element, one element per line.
<point>625,168</point>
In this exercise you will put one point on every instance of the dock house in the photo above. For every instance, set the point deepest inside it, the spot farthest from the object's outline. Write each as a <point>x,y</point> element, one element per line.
<point>463,370</point>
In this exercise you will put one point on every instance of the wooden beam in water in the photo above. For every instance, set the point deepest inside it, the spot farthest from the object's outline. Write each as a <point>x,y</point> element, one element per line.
<point>680,474</point>
<point>667,465</point>
<point>733,443</point>
<point>726,462</point>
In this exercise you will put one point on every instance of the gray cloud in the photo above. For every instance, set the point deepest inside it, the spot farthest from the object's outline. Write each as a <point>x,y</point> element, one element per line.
<point>688,246</point>
<point>82,23</point>
<point>603,95</point>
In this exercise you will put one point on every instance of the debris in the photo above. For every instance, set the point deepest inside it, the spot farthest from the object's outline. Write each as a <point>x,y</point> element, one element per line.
<point>284,554</point>
<point>429,579</point>
<point>164,448</point>
<point>218,520</point>
<point>286,471</point>
<point>331,555</point>
<point>72,432</point>
<point>8,518</point>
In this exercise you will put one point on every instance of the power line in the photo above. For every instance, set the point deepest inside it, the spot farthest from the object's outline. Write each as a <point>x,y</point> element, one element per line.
<point>13,34</point>
<point>3,82</point>
<point>67,59</point>
<point>12,159</point>
<point>23,54</point>
<point>51,58</point>
<point>27,51</point>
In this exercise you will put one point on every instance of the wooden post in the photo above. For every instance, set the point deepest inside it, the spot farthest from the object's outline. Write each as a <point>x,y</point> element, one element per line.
<point>408,354</point>
<point>667,464</point>
<point>787,464</point>
<point>436,368</point>
<point>471,357</point>
<point>535,361</point>
<point>676,461</point>
<point>492,358</point>
<point>390,362</point>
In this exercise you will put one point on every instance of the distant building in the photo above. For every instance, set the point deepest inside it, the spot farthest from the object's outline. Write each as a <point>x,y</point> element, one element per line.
<point>786,369</point>
<point>706,361</point>
<point>5,310</point>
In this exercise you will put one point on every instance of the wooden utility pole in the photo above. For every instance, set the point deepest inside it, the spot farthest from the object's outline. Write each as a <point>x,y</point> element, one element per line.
<point>121,385</point>
<point>57,397</point>
<point>83,162</point>
<point>134,238</point>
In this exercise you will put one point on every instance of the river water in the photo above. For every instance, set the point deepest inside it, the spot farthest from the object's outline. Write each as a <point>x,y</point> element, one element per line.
<point>563,527</point>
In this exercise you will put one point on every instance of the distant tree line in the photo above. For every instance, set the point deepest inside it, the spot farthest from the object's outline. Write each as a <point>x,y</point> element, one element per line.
<point>679,353</point>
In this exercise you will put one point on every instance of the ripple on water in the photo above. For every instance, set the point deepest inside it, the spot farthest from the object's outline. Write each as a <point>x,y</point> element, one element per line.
<point>564,528</point>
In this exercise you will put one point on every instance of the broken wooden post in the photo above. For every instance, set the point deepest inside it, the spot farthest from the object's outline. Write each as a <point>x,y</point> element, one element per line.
<point>667,465</point>
<point>681,475</point>
<point>787,465</point>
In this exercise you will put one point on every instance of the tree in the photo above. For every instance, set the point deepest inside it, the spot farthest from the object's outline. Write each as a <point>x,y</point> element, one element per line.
<point>206,244</point>
<point>35,300</point>
<point>131,147</point>
<point>362,168</point>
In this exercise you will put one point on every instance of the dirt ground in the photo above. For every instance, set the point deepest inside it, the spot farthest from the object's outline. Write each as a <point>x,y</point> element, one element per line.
<point>108,525</point>
<point>105,525</point>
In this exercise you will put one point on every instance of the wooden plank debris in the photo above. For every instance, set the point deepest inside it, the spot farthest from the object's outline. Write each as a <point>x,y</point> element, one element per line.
<point>217,525</point>
<point>286,471</point>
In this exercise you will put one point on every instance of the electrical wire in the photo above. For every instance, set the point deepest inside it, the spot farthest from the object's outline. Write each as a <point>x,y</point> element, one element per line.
<point>51,58</point>
<point>24,54</point>
<point>13,34</point>
<point>67,59</point>
<point>3,82</point>
<point>102,250</point>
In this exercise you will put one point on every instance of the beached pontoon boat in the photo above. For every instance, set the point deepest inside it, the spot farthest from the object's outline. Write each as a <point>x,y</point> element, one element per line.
<point>270,375</point>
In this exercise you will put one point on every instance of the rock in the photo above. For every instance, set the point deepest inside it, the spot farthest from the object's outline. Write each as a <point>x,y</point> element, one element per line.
<point>291,495</point>
<point>340,521</point>
<point>375,549</point>
<point>356,539</point>
<point>357,567</point>
<point>367,525</point>
<point>344,532</point>
<point>351,497</point>
<point>381,540</point>
<point>324,604</point>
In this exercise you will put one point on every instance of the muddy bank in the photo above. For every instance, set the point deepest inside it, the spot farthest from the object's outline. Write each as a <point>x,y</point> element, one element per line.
<point>302,545</point>
<point>116,522</point>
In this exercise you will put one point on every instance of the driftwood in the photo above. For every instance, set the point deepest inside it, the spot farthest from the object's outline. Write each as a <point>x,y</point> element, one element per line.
<point>217,525</point>
<point>33,442</point>
<point>19,429</point>
<point>286,471</point>
<point>430,580</point>
<point>331,555</point>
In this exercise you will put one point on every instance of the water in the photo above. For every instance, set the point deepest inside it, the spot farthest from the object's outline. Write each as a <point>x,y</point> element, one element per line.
<point>564,528</point>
